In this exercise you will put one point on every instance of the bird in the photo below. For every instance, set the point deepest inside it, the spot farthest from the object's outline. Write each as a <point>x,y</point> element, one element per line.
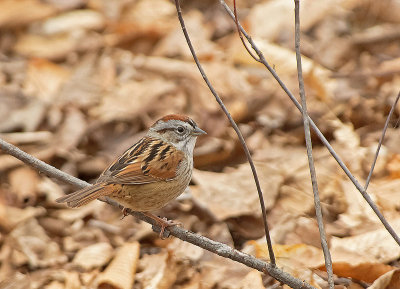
<point>151,173</point>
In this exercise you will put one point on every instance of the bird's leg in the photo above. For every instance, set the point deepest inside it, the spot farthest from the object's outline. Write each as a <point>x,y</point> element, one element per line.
<point>125,212</point>
<point>164,223</point>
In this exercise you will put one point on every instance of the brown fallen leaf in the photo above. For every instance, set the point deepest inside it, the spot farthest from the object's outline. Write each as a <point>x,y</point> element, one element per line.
<point>44,79</point>
<point>120,273</point>
<point>22,12</point>
<point>30,239</point>
<point>233,193</point>
<point>367,272</point>
<point>10,217</point>
<point>298,259</point>
<point>389,280</point>
<point>26,191</point>
<point>376,246</point>
<point>93,256</point>
<point>160,276</point>
<point>253,280</point>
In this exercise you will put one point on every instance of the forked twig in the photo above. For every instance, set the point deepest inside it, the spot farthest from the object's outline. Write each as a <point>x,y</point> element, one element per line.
<point>381,141</point>
<point>307,134</point>
<point>320,135</point>
<point>185,235</point>
<point>235,127</point>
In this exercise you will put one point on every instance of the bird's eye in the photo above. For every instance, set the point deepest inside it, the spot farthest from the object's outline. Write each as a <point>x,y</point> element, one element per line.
<point>180,129</point>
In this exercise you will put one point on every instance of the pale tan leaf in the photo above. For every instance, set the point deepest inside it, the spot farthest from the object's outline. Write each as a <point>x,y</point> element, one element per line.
<point>120,273</point>
<point>31,239</point>
<point>10,217</point>
<point>93,256</point>
<point>234,193</point>
<point>253,280</point>
<point>24,183</point>
<point>375,246</point>
<point>83,19</point>
<point>161,276</point>
<point>21,12</point>
<point>44,79</point>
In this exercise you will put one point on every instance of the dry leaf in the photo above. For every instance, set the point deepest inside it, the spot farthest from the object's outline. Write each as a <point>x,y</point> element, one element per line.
<point>390,280</point>
<point>295,259</point>
<point>234,193</point>
<point>82,19</point>
<point>375,246</point>
<point>93,256</point>
<point>26,191</point>
<point>157,271</point>
<point>120,273</point>
<point>253,280</point>
<point>10,217</point>
<point>21,12</point>
<point>31,239</point>
<point>44,79</point>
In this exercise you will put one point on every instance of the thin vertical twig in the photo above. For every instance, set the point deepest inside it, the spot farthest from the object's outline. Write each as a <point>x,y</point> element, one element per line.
<point>381,141</point>
<point>320,135</point>
<point>307,135</point>
<point>235,127</point>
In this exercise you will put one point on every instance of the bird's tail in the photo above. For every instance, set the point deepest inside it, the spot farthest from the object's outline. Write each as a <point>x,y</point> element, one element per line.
<point>85,195</point>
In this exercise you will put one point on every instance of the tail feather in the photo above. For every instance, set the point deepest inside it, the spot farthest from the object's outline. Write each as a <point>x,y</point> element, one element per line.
<point>86,195</point>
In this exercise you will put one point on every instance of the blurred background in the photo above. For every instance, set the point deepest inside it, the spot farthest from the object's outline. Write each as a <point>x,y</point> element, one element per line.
<point>82,80</point>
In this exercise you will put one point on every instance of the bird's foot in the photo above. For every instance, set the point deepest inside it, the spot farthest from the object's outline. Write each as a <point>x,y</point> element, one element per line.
<point>163,223</point>
<point>125,212</point>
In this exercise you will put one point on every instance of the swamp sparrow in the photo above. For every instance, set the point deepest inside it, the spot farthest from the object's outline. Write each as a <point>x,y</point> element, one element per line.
<point>152,172</point>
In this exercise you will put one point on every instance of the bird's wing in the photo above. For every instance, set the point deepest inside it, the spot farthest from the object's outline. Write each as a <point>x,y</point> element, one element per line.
<point>148,161</point>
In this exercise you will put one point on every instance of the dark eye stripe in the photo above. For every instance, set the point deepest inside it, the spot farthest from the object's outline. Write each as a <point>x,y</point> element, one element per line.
<point>192,123</point>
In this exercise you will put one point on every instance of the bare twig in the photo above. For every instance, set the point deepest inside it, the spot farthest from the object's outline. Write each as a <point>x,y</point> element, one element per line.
<point>185,235</point>
<point>235,127</point>
<point>240,32</point>
<point>320,135</point>
<point>307,134</point>
<point>381,141</point>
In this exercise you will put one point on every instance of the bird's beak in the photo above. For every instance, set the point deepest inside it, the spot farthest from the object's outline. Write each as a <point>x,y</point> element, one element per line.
<point>198,131</point>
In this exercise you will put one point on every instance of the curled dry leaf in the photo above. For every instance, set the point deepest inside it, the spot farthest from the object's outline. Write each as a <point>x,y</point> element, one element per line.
<point>93,256</point>
<point>72,280</point>
<point>10,217</point>
<point>389,280</point>
<point>122,104</point>
<point>83,19</point>
<point>30,239</point>
<point>233,193</point>
<point>26,191</point>
<point>366,271</point>
<point>358,215</point>
<point>22,12</point>
<point>44,79</point>
<point>160,276</point>
<point>120,273</point>
<point>298,260</point>
<point>253,280</point>
<point>375,246</point>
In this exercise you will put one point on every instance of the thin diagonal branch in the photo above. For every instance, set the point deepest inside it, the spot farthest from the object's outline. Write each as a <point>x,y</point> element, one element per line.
<point>235,127</point>
<point>185,235</point>
<point>240,32</point>
<point>320,135</point>
<point>381,141</point>
<point>307,134</point>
